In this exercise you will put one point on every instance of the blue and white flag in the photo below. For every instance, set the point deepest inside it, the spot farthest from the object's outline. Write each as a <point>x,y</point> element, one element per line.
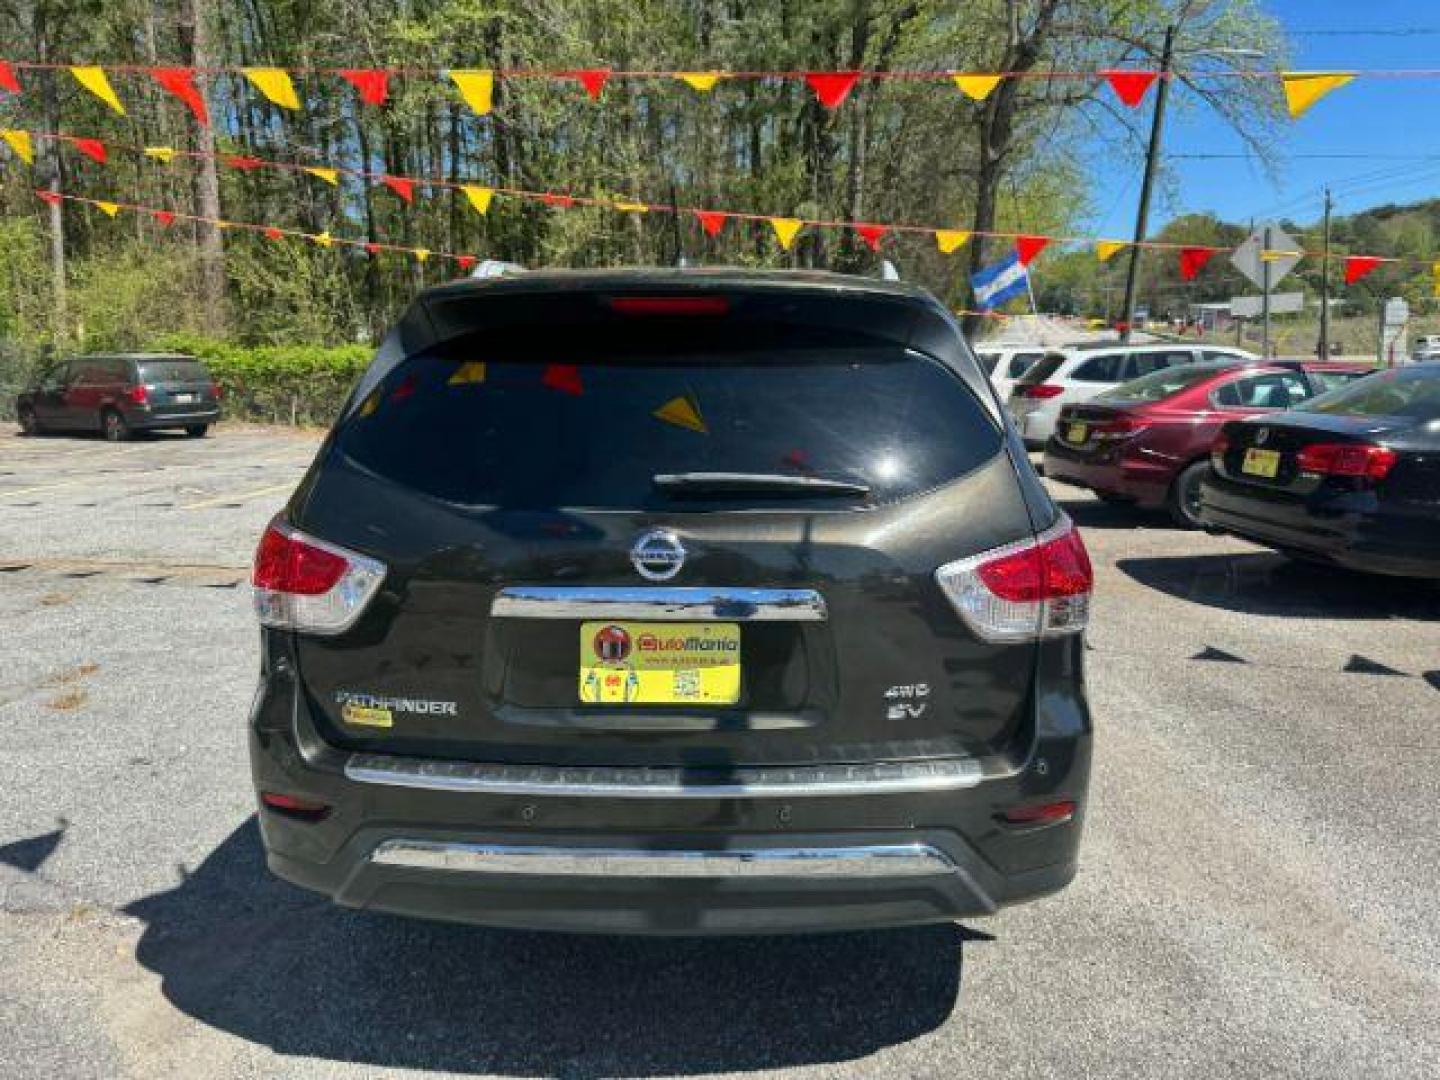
<point>999,282</point>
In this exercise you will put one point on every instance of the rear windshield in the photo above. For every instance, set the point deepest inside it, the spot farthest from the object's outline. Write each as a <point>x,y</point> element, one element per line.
<point>1042,369</point>
<point>173,371</point>
<point>470,429</point>
<point>1162,384</point>
<point>1414,393</point>
<point>1022,362</point>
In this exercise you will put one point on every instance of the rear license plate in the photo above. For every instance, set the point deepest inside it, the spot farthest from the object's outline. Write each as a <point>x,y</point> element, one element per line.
<point>184,399</point>
<point>646,663</point>
<point>1259,462</point>
<point>1077,433</point>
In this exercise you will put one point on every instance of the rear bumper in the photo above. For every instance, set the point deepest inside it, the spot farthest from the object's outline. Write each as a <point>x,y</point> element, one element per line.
<point>530,847</point>
<point>1035,423</point>
<point>171,417</point>
<point>1350,530</point>
<point>1145,481</point>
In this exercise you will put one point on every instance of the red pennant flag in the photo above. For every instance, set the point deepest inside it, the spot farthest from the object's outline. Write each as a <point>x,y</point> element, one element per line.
<point>565,201</point>
<point>872,235</point>
<point>164,217</point>
<point>94,149</point>
<point>8,81</point>
<point>372,248</point>
<point>712,221</point>
<point>466,262</point>
<point>237,161</point>
<point>1192,260</point>
<point>1130,86</point>
<point>373,86</point>
<point>272,233</point>
<point>593,79</point>
<point>1357,266</point>
<point>1027,247</point>
<point>564,378</point>
<point>401,186</point>
<point>832,87</point>
<point>51,197</point>
<point>181,83</point>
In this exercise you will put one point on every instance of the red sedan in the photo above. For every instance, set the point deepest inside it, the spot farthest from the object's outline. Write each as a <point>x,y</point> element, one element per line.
<point>1147,442</point>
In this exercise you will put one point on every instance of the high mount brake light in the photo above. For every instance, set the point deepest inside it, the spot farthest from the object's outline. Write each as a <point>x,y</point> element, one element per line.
<point>1039,391</point>
<point>670,305</point>
<point>1024,591</point>
<point>308,585</point>
<point>1364,461</point>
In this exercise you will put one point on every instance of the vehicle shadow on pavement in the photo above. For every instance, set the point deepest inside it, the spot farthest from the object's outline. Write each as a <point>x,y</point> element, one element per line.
<point>246,953</point>
<point>1093,514</point>
<point>1268,584</point>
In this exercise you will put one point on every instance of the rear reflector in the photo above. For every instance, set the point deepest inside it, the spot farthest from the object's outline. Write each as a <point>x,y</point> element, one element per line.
<point>670,305</point>
<point>306,584</point>
<point>1039,391</point>
<point>1024,591</point>
<point>1042,814</point>
<point>1361,460</point>
<point>294,806</point>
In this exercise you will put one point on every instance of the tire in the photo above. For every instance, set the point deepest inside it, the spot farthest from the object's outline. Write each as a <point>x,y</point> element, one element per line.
<point>197,431</point>
<point>1183,502</point>
<point>29,425</point>
<point>114,427</point>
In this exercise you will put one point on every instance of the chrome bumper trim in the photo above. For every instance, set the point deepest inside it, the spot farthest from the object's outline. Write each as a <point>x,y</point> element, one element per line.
<point>638,783</point>
<point>663,603</point>
<point>880,861</point>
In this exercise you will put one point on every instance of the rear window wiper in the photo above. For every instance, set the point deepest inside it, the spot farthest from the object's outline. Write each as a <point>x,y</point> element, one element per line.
<point>727,483</point>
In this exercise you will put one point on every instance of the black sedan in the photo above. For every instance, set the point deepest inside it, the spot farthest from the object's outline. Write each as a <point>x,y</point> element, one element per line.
<point>1351,477</point>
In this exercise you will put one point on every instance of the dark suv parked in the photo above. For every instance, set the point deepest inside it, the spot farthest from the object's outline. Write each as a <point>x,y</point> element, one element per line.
<point>673,602</point>
<point>118,395</point>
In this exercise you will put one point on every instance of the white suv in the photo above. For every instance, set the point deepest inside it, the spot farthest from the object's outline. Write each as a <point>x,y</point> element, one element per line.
<point>1079,372</point>
<point>1005,363</point>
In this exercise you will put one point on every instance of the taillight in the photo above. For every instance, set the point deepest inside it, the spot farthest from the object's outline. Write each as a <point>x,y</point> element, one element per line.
<point>1119,427</point>
<point>1360,460</point>
<point>308,585</point>
<point>1219,448</point>
<point>1024,591</point>
<point>1038,391</point>
<point>138,394</point>
<point>215,391</point>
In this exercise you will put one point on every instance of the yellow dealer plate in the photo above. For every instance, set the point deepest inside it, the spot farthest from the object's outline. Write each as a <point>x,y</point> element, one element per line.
<point>1261,462</point>
<point>1077,433</point>
<point>648,663</point>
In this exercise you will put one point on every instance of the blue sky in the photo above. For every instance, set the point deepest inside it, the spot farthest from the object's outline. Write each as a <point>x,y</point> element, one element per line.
<point>1390,125</point>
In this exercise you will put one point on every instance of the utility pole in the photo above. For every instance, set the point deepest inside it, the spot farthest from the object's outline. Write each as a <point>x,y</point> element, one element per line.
<point>1325,286</point>
<point>1265,294</point>
<point>1152,159</point>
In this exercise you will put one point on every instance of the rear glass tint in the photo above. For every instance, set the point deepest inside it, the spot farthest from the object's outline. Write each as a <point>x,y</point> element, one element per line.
<point>173,371</point>
<point>471,429</point>
<point>1415,394</point>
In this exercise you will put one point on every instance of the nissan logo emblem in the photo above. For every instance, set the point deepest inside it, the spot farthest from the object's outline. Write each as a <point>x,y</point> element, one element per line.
<point>658,555</point>
<point>1262,436</point>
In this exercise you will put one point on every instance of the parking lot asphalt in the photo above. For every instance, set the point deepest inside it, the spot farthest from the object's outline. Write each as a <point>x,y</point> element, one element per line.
<point>1258,894</point>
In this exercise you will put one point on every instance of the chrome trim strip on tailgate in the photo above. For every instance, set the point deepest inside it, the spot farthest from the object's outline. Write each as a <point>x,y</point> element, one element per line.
<point>640,783</point>
<point>875,861</point>
<point>665,603</point>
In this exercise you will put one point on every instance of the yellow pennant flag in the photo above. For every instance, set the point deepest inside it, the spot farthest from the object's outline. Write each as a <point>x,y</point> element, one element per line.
<point>477,88</point>
<point>324,239</point>
<point>1108,249</point>
<point>976,87</point>
<point>19,141</point>
<point>786,229</point>
<point>479,196</point>
<point>94,80</point>
<point>703,81</point>
<point>275,84</point>
<point>1275,255</point>
<point>1435,272</point>
<point>1304,88</point>
<point>329,175</point>
<point>110,208</point>
<point>162,154</point>
<point>683,411</point>
<point>632,207</point>
<point>421,254</point>
<point>467,374</point>
<point>948,240</point>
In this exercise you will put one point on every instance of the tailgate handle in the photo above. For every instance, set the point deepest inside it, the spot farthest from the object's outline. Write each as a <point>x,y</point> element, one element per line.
<point>673,604</point>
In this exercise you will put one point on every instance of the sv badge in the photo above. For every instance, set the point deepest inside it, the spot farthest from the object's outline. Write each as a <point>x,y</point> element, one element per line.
<point>905,712</point>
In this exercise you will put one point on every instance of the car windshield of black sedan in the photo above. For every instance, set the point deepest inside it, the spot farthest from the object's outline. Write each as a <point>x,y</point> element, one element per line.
<point>1413,393</point>
<point>1162,384</point>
